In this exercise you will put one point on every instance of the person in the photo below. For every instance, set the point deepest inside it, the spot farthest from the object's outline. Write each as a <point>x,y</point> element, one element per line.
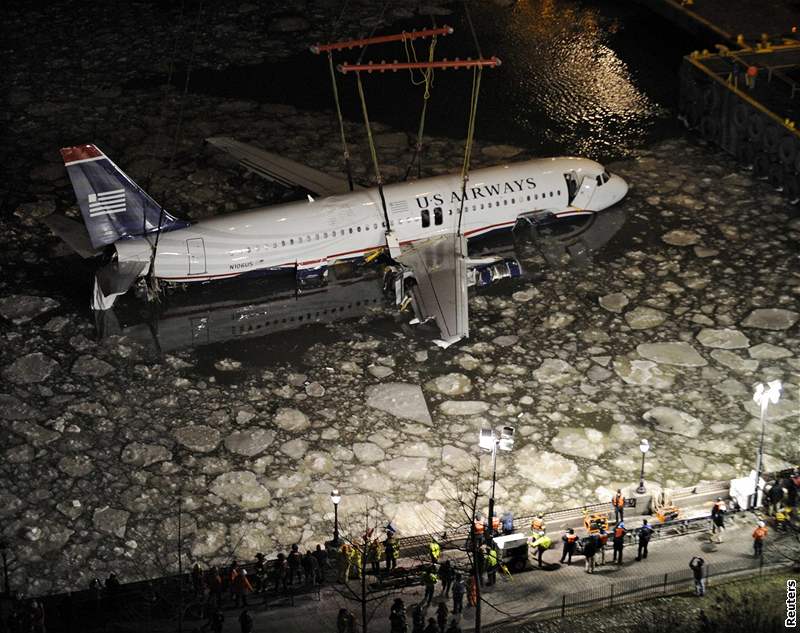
<point>345,621</point>
<point>280,571</point>
<point>345,560</point>
<point>233,572</point>
<point>432,626</point>
<point>619,542</point>
<point>570,540</point>
<point>750,77</point>
<point>215,586</point>
<point>112,590</point>
<point>216,621</point>
<point>453,628</point>
<point>441,616</point>
<point>589,551</point>
<point>294,560</point>
<point>696,565</point>
<point>459,589</point>
<point>507,522</point>
<point>391,551</point>
<point>37,617</point>
<point>259,579</point>
<point>446,574</point>
<point>308,567</point>
<point>355,561</point>
<point>418,618</point>
<point>241,587</point>
<point>429,579</point>
<point>480,560</point>
<point>718,519</point>
<point>542,544</point>
<point>397,617</point>
<point>435,550</point>
<point>618,503</point>
<point>491,566</point>
<point>246,622</point>
<point>198,582</point>
<point>373,555</point>
<point>321,555</point>
<point>759,534</point>
<point>472,590</point>
<point>538,527</point>
<point>645,532</point>
<point>794,489</point>
<point>782,517</point>
<point>602,539</point>
<point>774,497</point>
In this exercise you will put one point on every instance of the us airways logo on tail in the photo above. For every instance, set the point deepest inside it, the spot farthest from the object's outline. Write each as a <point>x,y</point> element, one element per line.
<point>106,202</point>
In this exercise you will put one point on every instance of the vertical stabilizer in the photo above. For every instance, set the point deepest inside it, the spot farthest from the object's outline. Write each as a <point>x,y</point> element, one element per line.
<point>113,206</point>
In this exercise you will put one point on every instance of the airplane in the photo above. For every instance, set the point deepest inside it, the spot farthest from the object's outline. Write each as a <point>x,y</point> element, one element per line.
<point>421,225</point>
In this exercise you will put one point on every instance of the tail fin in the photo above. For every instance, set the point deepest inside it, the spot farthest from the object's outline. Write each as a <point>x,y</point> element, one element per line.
<point>113,206</point>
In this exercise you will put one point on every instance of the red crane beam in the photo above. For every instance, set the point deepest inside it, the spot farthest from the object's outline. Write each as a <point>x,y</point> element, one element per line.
<point>456,64</point>
<point>381,39</point>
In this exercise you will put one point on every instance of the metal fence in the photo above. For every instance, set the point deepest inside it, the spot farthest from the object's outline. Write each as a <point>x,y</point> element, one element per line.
<point>605,595</point>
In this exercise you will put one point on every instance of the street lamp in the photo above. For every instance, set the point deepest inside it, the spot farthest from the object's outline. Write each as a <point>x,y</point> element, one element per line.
<point>644,446</point>
<point>335,498</point>
<point>489,440</point>
<point>763,396</point>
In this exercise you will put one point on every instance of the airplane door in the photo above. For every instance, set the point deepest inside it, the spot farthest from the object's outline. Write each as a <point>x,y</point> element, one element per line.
<point>197,255</point>
<point>585,192</point>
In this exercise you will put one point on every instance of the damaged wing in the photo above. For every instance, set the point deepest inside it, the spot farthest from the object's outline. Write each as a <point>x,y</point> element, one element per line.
<point>281,170</point>
<point>73,234</point>
<point>440,269</point>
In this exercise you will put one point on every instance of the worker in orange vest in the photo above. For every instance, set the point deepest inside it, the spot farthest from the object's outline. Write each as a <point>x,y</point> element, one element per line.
<point>618,503</point>
<point>538,525</point>
<point>602,539</point>
<point>241,587</point>
<point>759,534</point>
<point>570,542</point>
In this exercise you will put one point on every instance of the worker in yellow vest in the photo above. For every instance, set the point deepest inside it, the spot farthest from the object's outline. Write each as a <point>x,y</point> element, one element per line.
<point>542,544</point>
<point>491,566</point>
<point>435,550</point>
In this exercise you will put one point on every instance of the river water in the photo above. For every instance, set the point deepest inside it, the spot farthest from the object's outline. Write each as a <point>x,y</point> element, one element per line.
<point>576,78</point>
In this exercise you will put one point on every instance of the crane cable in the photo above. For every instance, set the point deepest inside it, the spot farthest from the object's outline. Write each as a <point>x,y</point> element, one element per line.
<point>345,150</point>
<point>152,280</point>
<point>473,110</point>
<point>372,151</point>
<point>428,81</point>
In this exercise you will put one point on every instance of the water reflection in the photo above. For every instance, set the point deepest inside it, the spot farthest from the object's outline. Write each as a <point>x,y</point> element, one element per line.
<point>266,314</point>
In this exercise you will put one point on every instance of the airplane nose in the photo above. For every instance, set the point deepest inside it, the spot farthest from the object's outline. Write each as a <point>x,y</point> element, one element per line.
<point>620,186</point>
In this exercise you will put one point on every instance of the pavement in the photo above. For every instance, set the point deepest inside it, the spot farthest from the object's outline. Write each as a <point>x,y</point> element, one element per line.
<point>527,591</point>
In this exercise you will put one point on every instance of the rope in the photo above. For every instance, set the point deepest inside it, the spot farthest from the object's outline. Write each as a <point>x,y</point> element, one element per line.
<point>176,141</point>
<point>345,150</point>
<point>372,151</point>
<point>428,79</point>
<point>473,110</point>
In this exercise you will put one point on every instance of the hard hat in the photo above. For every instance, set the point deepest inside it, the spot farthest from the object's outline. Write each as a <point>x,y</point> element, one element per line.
<point>719,498</point>
<point>761,524</point>
<point>621,524</point>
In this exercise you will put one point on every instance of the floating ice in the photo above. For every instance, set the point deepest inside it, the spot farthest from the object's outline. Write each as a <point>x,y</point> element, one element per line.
<point>615,302</point>
<point>644,318</point>
<point>723,339</point>
<point>771,319</point>
<point>402,400</point>
<point>681,237</point>
<point>680,354</point>
<point>669,420</point>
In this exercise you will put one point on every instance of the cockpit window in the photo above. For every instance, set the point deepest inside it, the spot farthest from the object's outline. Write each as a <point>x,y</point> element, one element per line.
<point>605,176</point>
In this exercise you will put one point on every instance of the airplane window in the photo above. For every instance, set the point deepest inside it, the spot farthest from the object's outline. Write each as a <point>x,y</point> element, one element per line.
<point>481,206</point>
<point>351,230</point>
<point>536,196</point>
<point>489,205</point>
<point>366,227</point>
<point>308,238</point>
<point>512,200</point>
<point>383,225</point>
<point>426,218</point>
<point>437,215</point>
<point>358,228</point>
<point>551,194</point>
<point>449,212</point>
<point>558,192</point>
<point>605,176</point>
<point>529,199</point>
<point>599,181</point>
<point>474,207</point>
<point>299,239</point>
<point>283,242</point>
<point>274,245</point>
<point>505,202</point>
<point>291,240</point>
<point>375,226</point>
<point>316,237</point>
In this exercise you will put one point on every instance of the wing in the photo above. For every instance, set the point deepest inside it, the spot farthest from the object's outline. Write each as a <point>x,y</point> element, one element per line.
<point>281,170</point>
<point>440,270</point>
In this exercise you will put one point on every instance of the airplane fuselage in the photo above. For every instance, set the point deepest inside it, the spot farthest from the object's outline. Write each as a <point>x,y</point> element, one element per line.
<point>312,234</point>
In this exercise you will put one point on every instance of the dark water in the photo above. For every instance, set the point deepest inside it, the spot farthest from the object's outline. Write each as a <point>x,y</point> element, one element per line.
<point>596,79</point>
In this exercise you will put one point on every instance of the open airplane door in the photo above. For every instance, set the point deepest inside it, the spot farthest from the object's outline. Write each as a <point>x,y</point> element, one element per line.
<point>584,193</point>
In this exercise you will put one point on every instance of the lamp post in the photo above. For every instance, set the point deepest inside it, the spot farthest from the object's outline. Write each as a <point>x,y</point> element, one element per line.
<point>489,440</point>
<point>644,446</point>
<point>335,498</point>
<point>763,396</point>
